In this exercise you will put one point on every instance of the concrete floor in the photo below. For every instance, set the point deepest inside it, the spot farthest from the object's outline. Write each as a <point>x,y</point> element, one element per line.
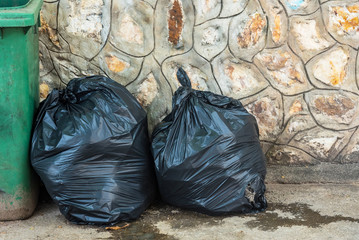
<point>295,212</point>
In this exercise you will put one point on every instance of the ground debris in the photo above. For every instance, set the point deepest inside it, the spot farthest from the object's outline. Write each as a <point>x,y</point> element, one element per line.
<point>118,227</point>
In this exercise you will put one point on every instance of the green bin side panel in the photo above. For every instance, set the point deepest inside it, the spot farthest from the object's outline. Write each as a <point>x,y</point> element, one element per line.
<point>19,96</point>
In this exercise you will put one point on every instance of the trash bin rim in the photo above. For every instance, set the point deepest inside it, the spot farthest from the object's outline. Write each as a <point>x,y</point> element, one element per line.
<point>16,7</point>
<point>21,16</point>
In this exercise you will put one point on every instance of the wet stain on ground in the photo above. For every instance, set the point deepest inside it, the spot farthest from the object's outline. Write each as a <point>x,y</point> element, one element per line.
<point>294,214</point>
<point>144,227</point>
<point>277,215</point>
<point>139,230</point>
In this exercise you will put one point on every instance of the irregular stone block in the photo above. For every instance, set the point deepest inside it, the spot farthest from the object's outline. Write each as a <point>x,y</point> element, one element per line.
<point>323,144</point>
<point>247,32</point>
<point>69,66</point>
<point>117,65</point>
<point>206,10</point>
<point>152,91</point>
<point>277,21</point>
<point>300,6</point>
<point>85,24</point>
<point>267,107</point>
<point>237,79</point>
<point>45,62</point>
<point>290,156</point>
<point>198,70</point>
<point>232,7</point>
<point>296,124</point>
<point>210,38</point>
<point>51,38</point>
<point>294,105</point>
<point>284,70</point>
<point>342,21</point>
<point>132,27</point>
<point>333,109</point>
<point>49,13</point>
<point>307,36</point>
<point>334,68</point>
<point>174,21</point>
<point>350,154</point>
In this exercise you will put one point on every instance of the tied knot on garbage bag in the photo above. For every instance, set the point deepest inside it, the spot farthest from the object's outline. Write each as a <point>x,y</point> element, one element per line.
<point>207,154</point>
<point>67,96</point>
<point>90,147</point>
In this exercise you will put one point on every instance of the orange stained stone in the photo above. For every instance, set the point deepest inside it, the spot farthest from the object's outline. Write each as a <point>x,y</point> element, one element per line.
<point>296,107</point>
<point>279,63</point>
<point>353,8</point>
<point>175,23</point>
<point>44,90</point>
<point>252,31</point>
<point>51,33</point>
<point>115,64</point>
<point>337,75</point>
<point>346,20</point>
<point>276,33</point>
<point>229,71</point>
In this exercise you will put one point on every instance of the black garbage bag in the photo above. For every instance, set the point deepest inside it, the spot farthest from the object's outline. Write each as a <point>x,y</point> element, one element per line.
<point>91,149</point>
<point>207,154</point>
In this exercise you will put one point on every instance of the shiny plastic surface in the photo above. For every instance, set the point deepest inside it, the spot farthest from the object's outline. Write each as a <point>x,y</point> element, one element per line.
<point>91,149</point>
<point>207,154</point>
<point>19,99</point>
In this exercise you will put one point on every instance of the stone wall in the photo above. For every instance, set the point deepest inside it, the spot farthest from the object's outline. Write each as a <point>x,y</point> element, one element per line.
<point>293,64</point>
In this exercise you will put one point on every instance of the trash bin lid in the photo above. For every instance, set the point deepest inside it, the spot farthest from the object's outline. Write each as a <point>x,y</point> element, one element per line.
<point>19,13</point>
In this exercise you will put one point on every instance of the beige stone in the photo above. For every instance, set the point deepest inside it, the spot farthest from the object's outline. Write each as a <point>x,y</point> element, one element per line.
<point>332,109</point>
<point>294,105</point>
<point>237,79</point>
<point>132,27</point>
<point>307,36</point>
<point>267,107</point>
<point>335,72</point>
<point>342,21</point>
<point>277,21</point>
<point>247,32</point>
<point>210,38</point>
<point>206,9</point>
<point>147,90</point>
<point>334,69</point>
<point>323,144</point>
<point>84,18</point>
<point>130,31</point>
<point>86,23</point>
<point>296,124</point>
<point>284,70</point>
<point>119,66</point>
<point>69,66</point>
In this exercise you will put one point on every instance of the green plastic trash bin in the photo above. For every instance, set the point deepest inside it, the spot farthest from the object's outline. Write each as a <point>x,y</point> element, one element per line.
<point>19,98</point>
